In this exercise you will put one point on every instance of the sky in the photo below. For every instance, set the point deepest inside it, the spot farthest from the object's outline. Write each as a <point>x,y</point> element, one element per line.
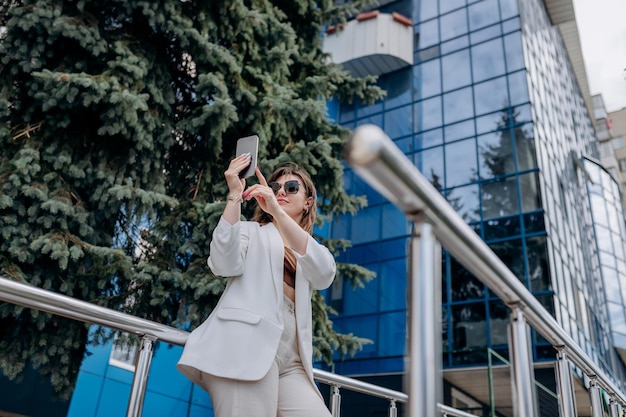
<point>602,30</point>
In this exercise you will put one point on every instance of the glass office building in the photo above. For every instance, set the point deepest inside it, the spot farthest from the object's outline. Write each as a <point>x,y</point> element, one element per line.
<point>494,111</point>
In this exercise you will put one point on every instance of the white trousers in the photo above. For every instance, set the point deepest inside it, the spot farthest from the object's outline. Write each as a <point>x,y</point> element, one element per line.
<point>285,391</point>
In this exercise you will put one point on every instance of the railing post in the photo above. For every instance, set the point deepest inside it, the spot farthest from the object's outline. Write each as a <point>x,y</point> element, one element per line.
<point>140,379</point>
<point>423,379</point>
<point>393,410</point>
<point>563,371</point>
<point>523,387</point>
<point>615,408</point>
<point>335,402</point>
<point>595,395</point>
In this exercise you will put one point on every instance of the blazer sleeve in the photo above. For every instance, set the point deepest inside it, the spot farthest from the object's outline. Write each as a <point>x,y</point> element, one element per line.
<point>228,248</point>
<point>317,264</point>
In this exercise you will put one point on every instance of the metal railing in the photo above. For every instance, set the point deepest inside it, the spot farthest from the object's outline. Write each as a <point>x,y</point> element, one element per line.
<point>375,158</point>
<point>62,305</point>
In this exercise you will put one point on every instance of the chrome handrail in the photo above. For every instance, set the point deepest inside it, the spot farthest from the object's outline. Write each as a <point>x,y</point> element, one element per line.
<point>374,157</point>
<point>36,298</point>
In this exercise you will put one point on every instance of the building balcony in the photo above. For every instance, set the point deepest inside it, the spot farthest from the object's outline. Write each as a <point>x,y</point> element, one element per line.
<point>373,43</point>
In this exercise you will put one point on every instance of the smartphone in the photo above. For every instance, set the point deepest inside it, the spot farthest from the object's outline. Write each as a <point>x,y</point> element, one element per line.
<point>249,144</point>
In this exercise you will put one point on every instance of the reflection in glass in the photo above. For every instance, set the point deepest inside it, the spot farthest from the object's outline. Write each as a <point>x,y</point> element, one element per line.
<point>486,34</point>
<point>495,154</point>
<point>487,60</point>
<point>365,225</point>
<point>459,130</point>
<point>463,284</point>
<point>447,5</point>
<point>394,222</point>
<point>498,323</point>
<point>429,138</point>
<point>456,70</point>
<point>518,88</point>
<point>502,227</point>
<point>483,14</point>
<point>427,79</point>
<point>427,114</point>
<point>458,105</point>
<point>529,190</point>
<point>514,52</point>
<point>499,198</point>
<point>398,86</point>
<point>524,145</point>
<point>491,96</point>
<point>538,269</point>
<point>461,165</point>
<point>393,285</point>
<point>453,24</point>
<point>469,337</point>
<point>488,123</point>
<point>511,252</point>
<point>430,164</point>
<point>399,122</point>
<point>465,201</point>
<point>508,8</point>
<point>428,34</point>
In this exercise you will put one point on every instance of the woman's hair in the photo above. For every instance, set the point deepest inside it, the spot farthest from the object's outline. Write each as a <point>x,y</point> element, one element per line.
<point>308,217</point>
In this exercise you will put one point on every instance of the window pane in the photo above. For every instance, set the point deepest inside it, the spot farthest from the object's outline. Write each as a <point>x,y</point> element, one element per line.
<point>429,138</point>
<point>458,105</point>
<point>525,147</point>
<point>514,51</point>
<point>453,24</point>
<point>398,86</point>
<point>365,225</point>
<point>465,201</point>
<point>519,88</point>
<point>459,130</point>
<point>529,190</point>
<point>463,284</point>
<point>491,95</point>
<point>461,163</point>
<point>428,79</point>
<point>399,122</point>
<point>483,14</point>
<point>447,5</point>
<point>487,60</point>
<point>512,254</point>
<point>428,34</point>
<point>495,154</point>
<point>430,163</point>
<point>392,327</point>
<point>394,222</point>
<point>456,70</point>
<point>427,114</point>
<point>393,285</point>
<point>499,198</point>
<point>538,269</point>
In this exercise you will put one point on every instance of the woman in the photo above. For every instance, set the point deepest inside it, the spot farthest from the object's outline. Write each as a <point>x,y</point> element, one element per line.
<point>253,354</point>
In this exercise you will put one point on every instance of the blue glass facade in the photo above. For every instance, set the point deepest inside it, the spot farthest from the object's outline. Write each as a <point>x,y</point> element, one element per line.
<point>492,115</point>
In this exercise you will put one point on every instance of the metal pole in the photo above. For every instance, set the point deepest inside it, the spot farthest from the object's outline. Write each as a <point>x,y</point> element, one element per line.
<point>424,380</point>
<point>523,379</point>
<point>563,371</point>
<point>615,408</point>
<point>335,402</point>
<point>596,398</point>
<point>140,379</point>
<point>393,410</point>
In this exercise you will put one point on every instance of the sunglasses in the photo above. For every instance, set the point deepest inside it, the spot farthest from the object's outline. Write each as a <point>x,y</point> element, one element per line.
<point>290,187</point>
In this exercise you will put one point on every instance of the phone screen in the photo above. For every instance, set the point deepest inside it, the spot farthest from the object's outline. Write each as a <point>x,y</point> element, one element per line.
<point>248,144</point>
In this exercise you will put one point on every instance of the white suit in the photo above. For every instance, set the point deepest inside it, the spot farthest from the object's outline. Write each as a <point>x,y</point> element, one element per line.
<point>240,338</point>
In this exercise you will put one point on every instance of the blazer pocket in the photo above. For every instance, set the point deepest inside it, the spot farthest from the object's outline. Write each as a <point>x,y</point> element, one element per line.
<point>238,314</point>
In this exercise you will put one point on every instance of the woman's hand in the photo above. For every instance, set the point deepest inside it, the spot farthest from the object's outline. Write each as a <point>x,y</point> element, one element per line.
<point>264,195</point>
<point>235,183</point>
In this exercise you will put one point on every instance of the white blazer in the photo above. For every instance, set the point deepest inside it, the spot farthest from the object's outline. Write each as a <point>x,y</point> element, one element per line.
<point>240,338</point>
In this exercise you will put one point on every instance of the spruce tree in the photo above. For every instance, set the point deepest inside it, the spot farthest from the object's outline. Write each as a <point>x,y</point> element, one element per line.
<point>117,121</point>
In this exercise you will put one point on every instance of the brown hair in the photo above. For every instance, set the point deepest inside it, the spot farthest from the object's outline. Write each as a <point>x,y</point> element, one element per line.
<point>308,217</point>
